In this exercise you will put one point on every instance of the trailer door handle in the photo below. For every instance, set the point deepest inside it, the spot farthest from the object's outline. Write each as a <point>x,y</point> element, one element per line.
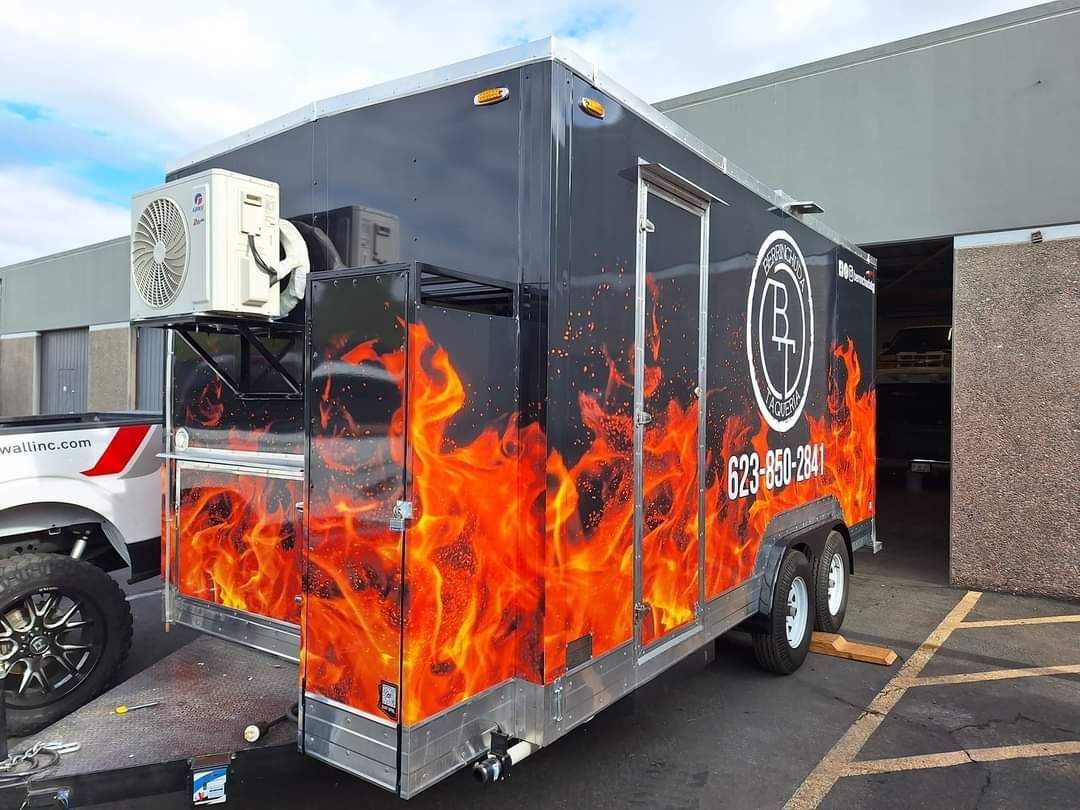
<point>647,226</point>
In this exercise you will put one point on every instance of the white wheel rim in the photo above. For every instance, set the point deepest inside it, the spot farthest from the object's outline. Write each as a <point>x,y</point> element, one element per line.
<point>797,604</point>
<point>836,584</point>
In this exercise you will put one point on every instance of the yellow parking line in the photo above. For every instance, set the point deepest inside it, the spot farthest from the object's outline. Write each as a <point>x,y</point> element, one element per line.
<point>992,675</point>
<point>835,763</point>
<point>950,758</point>
<point>1072,617</point>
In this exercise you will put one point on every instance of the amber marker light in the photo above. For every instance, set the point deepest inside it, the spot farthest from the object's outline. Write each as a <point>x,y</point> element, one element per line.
<point>493,95</point>
<point>592,107</point>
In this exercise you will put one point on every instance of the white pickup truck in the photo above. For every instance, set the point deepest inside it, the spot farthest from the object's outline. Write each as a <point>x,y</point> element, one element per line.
<point>80,495</point>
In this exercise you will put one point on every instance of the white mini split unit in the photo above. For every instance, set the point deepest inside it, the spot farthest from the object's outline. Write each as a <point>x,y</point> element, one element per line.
<point>211,243</point>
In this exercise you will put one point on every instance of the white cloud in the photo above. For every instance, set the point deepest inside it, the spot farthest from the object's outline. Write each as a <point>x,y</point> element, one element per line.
<point>176,77</point>
<point>41,213</point>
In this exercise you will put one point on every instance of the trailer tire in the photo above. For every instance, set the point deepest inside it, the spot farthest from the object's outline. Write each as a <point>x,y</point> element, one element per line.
<point>831,585</point>
<point>783,645</point>
<point>65,631</point>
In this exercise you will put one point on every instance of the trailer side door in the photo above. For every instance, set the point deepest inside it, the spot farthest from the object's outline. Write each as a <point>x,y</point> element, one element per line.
<point>669,373</point>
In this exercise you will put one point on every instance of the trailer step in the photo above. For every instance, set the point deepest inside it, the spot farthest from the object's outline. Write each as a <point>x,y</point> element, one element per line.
<point>837,646</point>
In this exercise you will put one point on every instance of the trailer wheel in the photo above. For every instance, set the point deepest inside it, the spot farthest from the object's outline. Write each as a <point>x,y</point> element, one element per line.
<point>831,585</point>
<point>783,646</point>
<point>65,630</point>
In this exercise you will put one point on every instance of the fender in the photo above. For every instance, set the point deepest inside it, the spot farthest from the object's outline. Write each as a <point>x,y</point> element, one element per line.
<point>27,500</point>
<point>806,527</point>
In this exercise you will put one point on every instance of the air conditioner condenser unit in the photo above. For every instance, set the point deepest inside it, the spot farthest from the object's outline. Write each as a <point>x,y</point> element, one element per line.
<point>208,243</point>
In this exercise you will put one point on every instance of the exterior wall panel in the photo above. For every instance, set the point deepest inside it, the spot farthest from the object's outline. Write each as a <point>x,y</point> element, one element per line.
<point>109,369</point>
<point>1016,357</point>
<point>18,375</point>
<point>84,286</point>
<point>964,130</point>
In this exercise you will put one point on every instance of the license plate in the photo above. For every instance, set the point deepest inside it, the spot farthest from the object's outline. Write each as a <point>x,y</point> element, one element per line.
<point>921,466</point>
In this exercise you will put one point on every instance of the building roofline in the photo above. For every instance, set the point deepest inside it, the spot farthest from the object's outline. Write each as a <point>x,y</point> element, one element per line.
<point>66,253</point>
<point>944,36</point>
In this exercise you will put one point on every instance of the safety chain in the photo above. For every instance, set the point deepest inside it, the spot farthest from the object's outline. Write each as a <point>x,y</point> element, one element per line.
<point>57,748</point>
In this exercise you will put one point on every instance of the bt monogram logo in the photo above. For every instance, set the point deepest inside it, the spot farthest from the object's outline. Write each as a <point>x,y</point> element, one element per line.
<point>780,331</point>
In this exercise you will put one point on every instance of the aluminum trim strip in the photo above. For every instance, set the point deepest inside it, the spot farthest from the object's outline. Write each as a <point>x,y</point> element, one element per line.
<point>188,462</point>
<point>258,632</point>
<point>351,740</point>
<point>702,393</point>
<point>545,50</point>
<point>255,457</point>
<point>639,401</point>
<point>436,747</point>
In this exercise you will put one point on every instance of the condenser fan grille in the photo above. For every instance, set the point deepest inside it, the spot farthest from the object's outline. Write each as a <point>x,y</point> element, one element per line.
<point>159,252</point>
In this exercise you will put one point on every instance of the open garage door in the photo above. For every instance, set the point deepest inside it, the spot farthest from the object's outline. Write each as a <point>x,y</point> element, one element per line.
<point>914,395</point>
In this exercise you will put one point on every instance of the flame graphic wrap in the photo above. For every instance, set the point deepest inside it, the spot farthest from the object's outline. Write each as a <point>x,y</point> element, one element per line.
<point>734,528</point>
<point>239,542</point>
<point>468,595</point>
<point>589,507</point>
<point>351,630</point>
<point>472,616</point>
<point>468,615</point>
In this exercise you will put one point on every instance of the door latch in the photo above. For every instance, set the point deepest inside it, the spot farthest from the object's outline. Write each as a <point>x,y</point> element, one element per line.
<point>642,417</point>
<point>641,610</point>
<point>647,226</point>
<point>403,510</point>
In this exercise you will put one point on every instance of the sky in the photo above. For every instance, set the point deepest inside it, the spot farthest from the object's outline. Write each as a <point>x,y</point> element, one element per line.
<point>95,99</point>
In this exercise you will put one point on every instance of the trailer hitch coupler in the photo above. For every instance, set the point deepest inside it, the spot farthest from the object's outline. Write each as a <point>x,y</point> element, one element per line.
<point>496,765</point>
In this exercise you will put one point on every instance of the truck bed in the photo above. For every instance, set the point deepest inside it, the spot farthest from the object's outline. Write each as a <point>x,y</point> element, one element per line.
<point>48,422</point>
<point>209,690</point>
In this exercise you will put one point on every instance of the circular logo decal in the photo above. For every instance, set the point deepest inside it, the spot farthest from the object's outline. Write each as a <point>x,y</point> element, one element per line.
<point>780,330</point>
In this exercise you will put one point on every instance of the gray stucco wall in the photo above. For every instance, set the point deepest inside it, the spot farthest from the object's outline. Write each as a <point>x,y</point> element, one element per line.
<point>84,286</point>
<point>110,375</point>
<point>971,129</point>
<point>1016,422</point>
<point>18,376</point>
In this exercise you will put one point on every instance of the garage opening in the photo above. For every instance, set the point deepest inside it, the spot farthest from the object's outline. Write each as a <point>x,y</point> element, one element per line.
<point>914,395</point>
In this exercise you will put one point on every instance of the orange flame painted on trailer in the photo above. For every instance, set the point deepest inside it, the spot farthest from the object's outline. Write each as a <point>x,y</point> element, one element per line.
<point>473,602</point>
<point>239,542</point>
<point>847,434</point>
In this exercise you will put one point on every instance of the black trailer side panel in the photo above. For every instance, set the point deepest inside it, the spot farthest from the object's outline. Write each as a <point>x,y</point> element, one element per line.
<point>754,469</point>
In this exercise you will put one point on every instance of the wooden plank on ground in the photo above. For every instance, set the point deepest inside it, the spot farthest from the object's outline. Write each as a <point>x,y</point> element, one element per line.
<point>836,645</point>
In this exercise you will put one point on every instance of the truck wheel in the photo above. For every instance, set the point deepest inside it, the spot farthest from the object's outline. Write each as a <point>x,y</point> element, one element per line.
<point>831,585</point>
<point>65,629</point>
<point>783,646</point>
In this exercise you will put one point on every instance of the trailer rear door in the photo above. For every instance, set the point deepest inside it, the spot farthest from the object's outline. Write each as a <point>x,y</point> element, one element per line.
<point>355,518</point>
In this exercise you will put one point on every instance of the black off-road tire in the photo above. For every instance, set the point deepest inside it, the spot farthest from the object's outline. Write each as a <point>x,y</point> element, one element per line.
<point>772,649</point>
<point>825,619</point>
<point>27,574</point>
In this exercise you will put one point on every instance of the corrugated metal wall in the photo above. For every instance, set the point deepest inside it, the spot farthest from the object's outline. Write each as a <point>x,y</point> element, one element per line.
<point>64,360</point>
<point>149,368</point>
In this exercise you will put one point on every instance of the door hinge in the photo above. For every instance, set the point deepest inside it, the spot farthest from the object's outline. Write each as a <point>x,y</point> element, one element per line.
<point>403,510</point>
<point>646,225</point>
<point>641,610</point>
<point>642,417</point>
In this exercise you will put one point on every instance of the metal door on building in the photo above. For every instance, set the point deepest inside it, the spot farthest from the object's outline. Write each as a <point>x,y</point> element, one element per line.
<point>669,369</point>
<point>64,370</point>
<point>149,368</point>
